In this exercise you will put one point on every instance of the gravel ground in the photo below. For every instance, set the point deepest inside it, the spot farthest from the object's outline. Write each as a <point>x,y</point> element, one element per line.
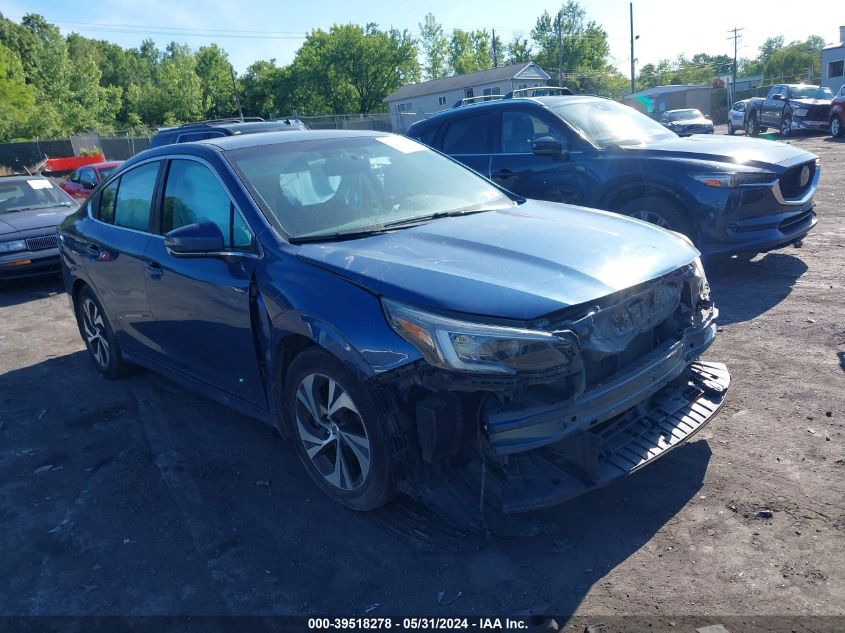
<point>135,498</point>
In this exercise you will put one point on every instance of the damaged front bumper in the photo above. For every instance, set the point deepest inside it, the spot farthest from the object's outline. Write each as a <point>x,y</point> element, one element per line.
<point>618,447</point>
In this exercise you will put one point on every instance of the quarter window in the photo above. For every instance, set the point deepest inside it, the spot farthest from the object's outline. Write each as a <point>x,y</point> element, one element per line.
<point>134,198</point>
<point>468,135</point>
<point>193,194</point>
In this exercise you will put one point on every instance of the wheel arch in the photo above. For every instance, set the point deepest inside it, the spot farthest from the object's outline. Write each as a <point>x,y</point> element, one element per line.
<point>631,190</point>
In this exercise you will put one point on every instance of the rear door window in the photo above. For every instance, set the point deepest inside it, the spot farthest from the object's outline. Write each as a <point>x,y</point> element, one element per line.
<point>468,135</point>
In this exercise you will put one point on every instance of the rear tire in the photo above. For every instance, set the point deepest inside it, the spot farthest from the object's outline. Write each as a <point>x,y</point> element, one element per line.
<point>337,432</point>
<point>659,210</point>
<point>98,335</point>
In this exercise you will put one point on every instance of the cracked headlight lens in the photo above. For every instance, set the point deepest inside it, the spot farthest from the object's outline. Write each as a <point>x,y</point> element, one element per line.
<point>11,247</point>
<point>704,286</point>
<point>478,347</point>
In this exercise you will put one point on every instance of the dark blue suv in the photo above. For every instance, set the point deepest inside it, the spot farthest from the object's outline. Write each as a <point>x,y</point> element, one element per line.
<point>405,322</point>
<point>727,194</point>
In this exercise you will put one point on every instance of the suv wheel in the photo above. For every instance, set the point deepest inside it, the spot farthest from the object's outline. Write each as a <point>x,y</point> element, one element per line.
<point>751,127</point>
<point>98,335</point>
<point>658,210</point>
<point>786,127</point>
<point>835,126</point>
<point>731,128</point>
<point>338,434</point>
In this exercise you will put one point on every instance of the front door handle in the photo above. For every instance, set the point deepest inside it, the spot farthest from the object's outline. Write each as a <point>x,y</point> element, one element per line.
<point>154,270</point>
<point>502,174</point>
<point>93,251</point>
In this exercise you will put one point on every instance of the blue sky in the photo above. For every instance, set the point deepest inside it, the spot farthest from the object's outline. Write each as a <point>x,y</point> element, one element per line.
<point>263,29</point>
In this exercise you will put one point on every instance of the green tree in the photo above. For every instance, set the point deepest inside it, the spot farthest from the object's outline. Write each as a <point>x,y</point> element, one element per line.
<point>469,51</point>
<point>17,98</point>
<point>435,48</point>
<point>519,50</point>
<point>351,69</point>
<point>260,89</point>
<point>215,74</point>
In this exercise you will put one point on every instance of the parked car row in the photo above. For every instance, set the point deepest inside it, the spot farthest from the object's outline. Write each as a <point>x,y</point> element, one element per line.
<point>413,318</point>
<point>788,108</point>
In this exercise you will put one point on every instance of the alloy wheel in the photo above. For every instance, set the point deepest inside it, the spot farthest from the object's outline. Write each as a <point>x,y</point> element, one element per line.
<point>835,127</point>
<point>95,332</point>
<point>786,127</point>
<point>332,431</point>
<point>651,216</point>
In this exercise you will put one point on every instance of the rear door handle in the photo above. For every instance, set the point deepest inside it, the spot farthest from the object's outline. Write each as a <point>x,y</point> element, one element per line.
<point>502,174</point>
<point>154,270</point>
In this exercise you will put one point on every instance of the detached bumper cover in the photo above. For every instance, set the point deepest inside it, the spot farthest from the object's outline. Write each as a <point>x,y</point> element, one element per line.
<point>617,448</point>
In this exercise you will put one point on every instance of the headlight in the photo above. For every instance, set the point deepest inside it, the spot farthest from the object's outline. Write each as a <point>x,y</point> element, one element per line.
<point>704,286</point>
<point>477,347</point>
<point>729,180</point>
<point>11,247</point>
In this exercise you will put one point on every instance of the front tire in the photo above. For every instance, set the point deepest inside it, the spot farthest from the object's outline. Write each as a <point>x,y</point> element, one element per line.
<point>659,210</point>
<point>835,126</point>
<point>786,127</point>
<point>98,335</point>
<point>338,434</point>
<point>731,128</point>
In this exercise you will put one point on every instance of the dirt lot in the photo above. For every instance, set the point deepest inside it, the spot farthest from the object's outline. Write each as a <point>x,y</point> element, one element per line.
<point>133,497</point>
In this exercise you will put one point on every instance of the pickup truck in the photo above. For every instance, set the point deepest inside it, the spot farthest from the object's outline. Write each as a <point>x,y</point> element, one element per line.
<point>789,107</point>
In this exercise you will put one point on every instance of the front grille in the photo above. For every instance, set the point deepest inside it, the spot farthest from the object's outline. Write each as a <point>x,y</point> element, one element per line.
<point>42,243</point>
<point>817,113</point>
<point>794,223</point>
<point>790,182</point>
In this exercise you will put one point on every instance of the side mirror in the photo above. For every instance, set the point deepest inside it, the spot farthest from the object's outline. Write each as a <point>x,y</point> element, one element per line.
<point>87,184</point>
<point>195,239</point>
<point>778,97</point>
<point>547,146</point>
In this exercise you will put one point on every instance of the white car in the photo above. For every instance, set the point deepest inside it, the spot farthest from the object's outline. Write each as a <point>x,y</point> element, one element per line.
<point>736,116</point>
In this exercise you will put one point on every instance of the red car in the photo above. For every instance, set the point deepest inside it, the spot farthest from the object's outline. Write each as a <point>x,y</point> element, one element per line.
<point>80,183</point>
<point>837,113</point>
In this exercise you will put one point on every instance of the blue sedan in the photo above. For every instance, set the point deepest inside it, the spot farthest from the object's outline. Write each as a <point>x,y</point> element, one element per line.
<point>396,315</point>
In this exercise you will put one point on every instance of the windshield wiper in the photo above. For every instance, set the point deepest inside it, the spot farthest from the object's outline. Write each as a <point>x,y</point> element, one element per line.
<point>38,206</point>
<point>375,229</point>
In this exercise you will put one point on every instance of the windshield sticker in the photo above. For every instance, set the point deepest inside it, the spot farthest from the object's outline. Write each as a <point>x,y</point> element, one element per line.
<point>40,184</point>
<point>404,145</point>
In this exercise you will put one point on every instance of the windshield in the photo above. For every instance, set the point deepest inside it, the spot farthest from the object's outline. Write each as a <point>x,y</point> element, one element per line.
<point>605,123</point>
<point>105,172</point>
<point>811,92</point>
<point>30,193</point>
<point>359,184</point>
<point>680,115</point>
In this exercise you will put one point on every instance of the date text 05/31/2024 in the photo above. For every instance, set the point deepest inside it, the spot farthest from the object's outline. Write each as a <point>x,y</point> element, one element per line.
<point>408,624</point>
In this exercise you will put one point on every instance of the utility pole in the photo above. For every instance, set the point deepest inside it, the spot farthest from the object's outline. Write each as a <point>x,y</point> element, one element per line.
<point>735,38</point>
<point>235,88</point>
<point>633,76</point>
<point>495,56</point>
<point>559,51</point>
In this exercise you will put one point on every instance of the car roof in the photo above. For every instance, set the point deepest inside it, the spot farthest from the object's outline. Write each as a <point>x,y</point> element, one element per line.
<point>104,164</point>
<point>24,177</point>
<point>550,101</point>
<point>227,143</point>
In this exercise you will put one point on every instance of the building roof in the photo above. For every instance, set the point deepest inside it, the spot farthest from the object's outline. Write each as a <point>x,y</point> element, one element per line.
<point>662,90</point>
<point>528,70</point>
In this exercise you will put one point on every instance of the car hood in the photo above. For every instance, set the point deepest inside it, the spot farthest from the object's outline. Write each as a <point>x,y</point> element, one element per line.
<point>519,263</point>
<point>691,122</point>
<point>809,102</point>
<point>33,219</point>
<point>726,149</point>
